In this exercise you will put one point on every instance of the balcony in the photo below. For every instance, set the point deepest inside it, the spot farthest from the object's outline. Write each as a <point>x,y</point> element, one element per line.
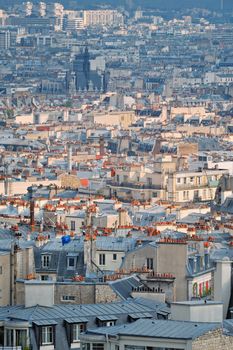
<point>136,185</point>
<point>27,347</point>
<point>193,186</point>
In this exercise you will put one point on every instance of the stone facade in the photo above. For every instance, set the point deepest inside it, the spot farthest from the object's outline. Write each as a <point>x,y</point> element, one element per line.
<point>215,340</point>
<point>73,293</point>
<point>105,294</point>
<point>84,293</point>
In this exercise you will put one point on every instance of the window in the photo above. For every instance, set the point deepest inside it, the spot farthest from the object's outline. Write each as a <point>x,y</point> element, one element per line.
<point>21,337</point>
<point>114,256</point>
<point>68,298</point>
<point>71,263</point>
<point>47,335</point>
<point>101,259</point>
<point>9,337</point>
<point>150,263</point>
<point>0,270</point>
<point>16,337</point>
<point>72,225</point>
<point>134,347</point>
<point>44,277</point>
<point>85,346</point>
<point>77,329</point>
<point>97,346</point>
<point>178,180</point>
<point>45,260</point>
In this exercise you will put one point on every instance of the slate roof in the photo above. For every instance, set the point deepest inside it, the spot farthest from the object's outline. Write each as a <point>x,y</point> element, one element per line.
<point>84,311</point>
<point>159,329</point>
<point>115,243</point>
<point>124,286</point>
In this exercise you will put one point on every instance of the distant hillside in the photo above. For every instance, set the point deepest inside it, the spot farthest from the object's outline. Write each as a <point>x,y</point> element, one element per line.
<point>161,4</point>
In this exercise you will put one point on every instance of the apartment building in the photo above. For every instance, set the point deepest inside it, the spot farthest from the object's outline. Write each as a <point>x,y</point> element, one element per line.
<point>191,186</point>
<point>141,182</point>
<point>147,334</point>
<point>102,18</point>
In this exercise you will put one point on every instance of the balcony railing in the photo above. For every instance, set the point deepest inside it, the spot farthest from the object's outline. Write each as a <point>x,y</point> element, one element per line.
<point>212,184</point>
<point>27,347</point>
<point>139,186</point>
<point>12,348</point>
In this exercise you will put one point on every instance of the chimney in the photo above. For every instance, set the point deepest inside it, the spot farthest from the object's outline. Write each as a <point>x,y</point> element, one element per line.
<point>102,148</point>
<point>31,191</point>
<point>69,158</point>
<point>207,260</point>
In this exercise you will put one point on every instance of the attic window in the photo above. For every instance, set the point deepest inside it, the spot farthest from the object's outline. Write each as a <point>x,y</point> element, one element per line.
<point>47,335</point>
<point>68,298</point>
<point>106,321</point>
<point>45,260</point>
<point>71,263</point>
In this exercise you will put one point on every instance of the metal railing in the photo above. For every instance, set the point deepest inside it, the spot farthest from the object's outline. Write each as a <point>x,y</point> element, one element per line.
<point>134,185</point>
<point>11,348</point>
<point>28,347</point>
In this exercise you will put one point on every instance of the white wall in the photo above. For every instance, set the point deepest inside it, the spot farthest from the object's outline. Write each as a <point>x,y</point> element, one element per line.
<point>39,294</point>
<point>197,311</point>
<point>222,284</point>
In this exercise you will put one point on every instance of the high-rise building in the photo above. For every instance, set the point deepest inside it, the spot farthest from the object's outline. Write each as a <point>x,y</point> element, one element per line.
<point>102,18</point>
<point>54,10</point>
<point>81,67</point>
<point>5,39</point>
<point>42,9</point>
<point>28,8</point>
<point>87,79</point>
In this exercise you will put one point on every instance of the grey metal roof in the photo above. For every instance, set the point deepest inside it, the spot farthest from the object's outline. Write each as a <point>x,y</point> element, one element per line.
<point>136,316</point>
<point>115,243</point>
<point>124,286</point>
<point>76,320</point>
<point>40,313</point>
<point>106,318</point>
<point>45,322</point>
<point>159,329</point>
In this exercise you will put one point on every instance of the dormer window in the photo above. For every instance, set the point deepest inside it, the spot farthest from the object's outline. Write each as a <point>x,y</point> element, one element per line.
<point>47,335</point>
<point>77,329</point>
<point>45,260</point>
<point>74,326</point>
<point>106,321</point>
<point>71,261</point>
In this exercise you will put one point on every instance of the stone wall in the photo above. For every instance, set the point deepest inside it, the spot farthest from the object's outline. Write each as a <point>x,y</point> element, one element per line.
<point>214,340</point>
<point>84,293</point>
<point>105,294</point>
